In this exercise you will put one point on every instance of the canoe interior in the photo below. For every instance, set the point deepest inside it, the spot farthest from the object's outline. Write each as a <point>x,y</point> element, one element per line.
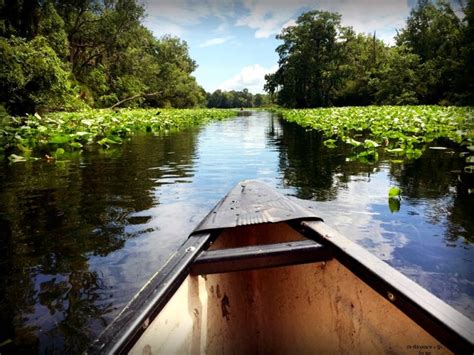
<point>317,307</point>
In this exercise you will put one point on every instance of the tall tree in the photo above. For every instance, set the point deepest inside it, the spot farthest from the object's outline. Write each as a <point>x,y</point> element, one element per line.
<point>364,56</point>
<point>397,80</point>
<point>434,33</point>
<point>465,82</point>
<point>309,63</point>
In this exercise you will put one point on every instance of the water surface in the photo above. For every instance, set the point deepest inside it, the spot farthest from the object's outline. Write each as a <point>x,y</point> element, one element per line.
<point>79,238</point>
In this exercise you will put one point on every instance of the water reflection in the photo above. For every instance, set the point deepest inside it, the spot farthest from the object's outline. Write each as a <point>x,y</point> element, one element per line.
<point>55,219</point>
<point>429,237</point>
<point>78,239</point>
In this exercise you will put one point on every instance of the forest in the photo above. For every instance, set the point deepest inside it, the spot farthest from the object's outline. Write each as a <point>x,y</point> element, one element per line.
<point>70,55</point>
<point>322,63</point>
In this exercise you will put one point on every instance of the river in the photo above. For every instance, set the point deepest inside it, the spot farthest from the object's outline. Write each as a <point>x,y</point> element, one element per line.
<point>80,237</point>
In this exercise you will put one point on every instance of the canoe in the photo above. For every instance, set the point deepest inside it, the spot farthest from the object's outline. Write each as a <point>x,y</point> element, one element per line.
<point>263,274</point>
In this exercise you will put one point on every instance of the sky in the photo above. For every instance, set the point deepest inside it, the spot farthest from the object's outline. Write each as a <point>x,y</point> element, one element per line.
<point>233,41</point>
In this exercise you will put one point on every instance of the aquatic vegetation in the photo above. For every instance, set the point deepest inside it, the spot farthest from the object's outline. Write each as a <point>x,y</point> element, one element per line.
<point>394,192</point>
<point>52,135</point>
<point>400,131</point>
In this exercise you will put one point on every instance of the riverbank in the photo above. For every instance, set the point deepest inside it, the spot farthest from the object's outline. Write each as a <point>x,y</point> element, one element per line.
<point>52,135</point>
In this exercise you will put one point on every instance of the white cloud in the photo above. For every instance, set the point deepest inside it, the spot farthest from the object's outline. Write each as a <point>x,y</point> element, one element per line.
<point>251,77</point>
<point>222,29</point>
<point>268,17</point>
<point>215,41</point>
<point>190,12</point>
<point>288,23</point>
<point>161,28</point>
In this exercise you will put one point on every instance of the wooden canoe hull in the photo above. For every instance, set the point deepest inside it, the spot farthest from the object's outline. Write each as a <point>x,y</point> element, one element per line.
<point>311,308</point>
<point>263,274</point>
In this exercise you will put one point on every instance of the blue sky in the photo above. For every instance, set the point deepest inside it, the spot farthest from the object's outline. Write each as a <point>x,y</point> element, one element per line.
<point>233,41</point>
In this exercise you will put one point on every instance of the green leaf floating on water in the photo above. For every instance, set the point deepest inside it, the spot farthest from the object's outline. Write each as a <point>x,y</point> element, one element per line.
<point>469,169</point>
<point>394,199</point>
<point>76,145</point>
<point>330,143</point>
<point>59,139</point>
<point>395,150</point>
<point>353,142</point>
<point>16,158</point>
<point>371,144</point>
<point>109,140</point>
<point>394,192</point>
<point>59,152</point>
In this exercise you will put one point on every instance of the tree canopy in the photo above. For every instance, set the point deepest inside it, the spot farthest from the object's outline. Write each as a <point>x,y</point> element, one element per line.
<point>70,53</point>
<point>243,98</point>
<point>322,63</point>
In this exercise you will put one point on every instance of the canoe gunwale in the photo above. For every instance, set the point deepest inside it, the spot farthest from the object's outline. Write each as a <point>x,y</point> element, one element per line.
<point>253,203</point>
<point>121,334</point>
<point>450,327</point>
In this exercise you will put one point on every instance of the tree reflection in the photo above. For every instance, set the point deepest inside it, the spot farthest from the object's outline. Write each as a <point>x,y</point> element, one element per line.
<point>315,171</point>
<point>435,177</point>
<point>53,218</point>
<point>319,173</point>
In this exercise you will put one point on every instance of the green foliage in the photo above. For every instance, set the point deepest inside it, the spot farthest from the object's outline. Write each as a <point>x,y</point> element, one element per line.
<point>31,76</point>
<point>61,131</point>
<point>434,33</point>
<point>394,192</point>
<point>396,81</point>
<point>397,130</point>
<point>51,26</point>
<point>309,57</point>
<point>323,64</point>
<point>228,99</point>
<point>98,50</point>
<point>394,199</point>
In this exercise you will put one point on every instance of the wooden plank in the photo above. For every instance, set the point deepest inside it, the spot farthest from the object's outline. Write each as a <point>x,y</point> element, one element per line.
<point>127,327</point>
<point>259,256</point>
<point>449,326</point>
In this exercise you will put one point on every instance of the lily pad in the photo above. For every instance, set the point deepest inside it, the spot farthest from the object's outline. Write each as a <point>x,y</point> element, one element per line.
<point>394,192</point>
<point>76,145</point>
<point>16,158</point>
<point>353,142</point>
<point>469,169</point>
<point>59,139</point>
<point>395,150</point>
<point>371,144</point>
<point>330,143</point>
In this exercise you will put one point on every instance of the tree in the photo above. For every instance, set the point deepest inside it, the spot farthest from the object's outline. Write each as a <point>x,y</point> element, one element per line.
<point>31,76</point>
<point>106,55</point>
<point>434,33</point>
<point>465,83</point>
<point>51,26</point>
<point>364,56</point>
<point>227,99</point>
<point>309,61</point>
<point>396,81</point>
